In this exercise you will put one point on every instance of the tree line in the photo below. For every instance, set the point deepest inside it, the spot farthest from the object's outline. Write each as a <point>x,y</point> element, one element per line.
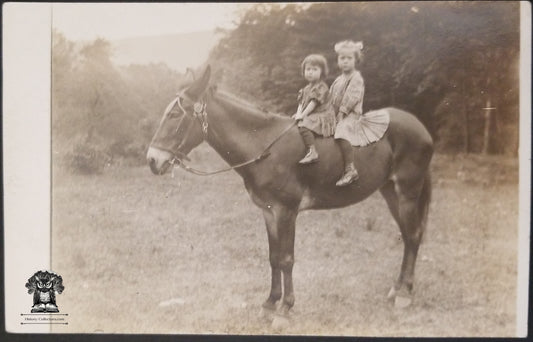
<point>103,114</point>
<point>443,61</point>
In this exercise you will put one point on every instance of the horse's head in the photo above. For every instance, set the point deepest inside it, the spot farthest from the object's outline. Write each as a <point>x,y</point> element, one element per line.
<point>183,126</point>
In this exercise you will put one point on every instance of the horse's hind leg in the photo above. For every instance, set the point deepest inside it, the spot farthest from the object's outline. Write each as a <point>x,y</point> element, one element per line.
<point>391,198</point>
<point>408,203</point>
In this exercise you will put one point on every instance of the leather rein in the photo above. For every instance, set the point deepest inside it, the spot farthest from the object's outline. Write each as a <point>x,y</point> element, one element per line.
<point>200,113</point>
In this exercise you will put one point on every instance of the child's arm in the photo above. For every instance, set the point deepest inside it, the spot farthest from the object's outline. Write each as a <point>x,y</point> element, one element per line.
<point>300,104</point>
<point>298,112</point>
<point>308,110</point>
<point>300,109</point>
<point>352,96</point>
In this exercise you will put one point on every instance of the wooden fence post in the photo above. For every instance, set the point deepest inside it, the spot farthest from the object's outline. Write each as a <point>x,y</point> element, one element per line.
<point>488,118</point>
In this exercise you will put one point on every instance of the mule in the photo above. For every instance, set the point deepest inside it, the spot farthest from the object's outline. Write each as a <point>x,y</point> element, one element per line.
<point>397,166</point>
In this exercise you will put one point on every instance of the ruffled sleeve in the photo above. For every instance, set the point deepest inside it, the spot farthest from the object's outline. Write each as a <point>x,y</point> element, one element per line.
<point>319,93</point>
<point>353,96</point>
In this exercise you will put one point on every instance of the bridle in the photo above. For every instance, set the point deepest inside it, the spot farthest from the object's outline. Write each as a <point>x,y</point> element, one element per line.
<point>200,114</point>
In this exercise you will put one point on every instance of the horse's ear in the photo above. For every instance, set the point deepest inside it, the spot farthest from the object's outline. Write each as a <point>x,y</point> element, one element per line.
<point>198,87</point>
<point>189,75</point>
<point>187,79</point>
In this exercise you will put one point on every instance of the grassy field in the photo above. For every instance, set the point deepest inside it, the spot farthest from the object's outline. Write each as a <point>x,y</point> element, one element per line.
<point>188,254</point>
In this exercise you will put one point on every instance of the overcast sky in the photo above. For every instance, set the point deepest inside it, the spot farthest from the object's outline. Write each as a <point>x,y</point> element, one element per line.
<point>87,21</point>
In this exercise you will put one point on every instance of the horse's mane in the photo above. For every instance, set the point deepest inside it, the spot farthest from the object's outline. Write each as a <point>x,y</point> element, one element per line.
<point>246,106</point>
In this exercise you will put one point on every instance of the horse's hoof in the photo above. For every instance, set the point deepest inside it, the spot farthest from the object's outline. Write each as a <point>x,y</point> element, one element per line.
<point>267,311</point>
<point>392,293</point>
<point>402,298</point>
<point>266,314</point>
<point>280,322</point>
<point>401,302</point>
<point>269,306</point>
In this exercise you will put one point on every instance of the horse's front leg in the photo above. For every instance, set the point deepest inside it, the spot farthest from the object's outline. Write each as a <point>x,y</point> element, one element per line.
<point>281,221</point>
<point>287,229</point>
<point>273,249</point>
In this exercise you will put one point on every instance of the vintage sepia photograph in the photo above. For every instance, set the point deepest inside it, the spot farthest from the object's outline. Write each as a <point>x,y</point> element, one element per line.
<point>324,169</point>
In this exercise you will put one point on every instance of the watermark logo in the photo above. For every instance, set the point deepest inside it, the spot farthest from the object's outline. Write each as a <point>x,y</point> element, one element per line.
<point>45,286</point>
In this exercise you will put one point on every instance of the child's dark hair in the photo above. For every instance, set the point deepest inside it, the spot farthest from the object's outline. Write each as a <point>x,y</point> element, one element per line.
<point>319,61</point>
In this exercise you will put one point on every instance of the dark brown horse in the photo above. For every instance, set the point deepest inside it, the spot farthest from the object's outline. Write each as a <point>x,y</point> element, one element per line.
<point>397,165</point>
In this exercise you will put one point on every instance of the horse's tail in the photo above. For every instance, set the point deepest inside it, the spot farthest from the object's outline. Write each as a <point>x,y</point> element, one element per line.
<point>423,202</point>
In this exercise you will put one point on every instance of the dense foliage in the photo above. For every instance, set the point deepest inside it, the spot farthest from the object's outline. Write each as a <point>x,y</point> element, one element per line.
<point>103,114</point>
<point>443,61</point>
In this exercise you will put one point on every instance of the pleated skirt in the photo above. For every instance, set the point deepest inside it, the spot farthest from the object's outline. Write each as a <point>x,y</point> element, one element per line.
<point>362,130</point>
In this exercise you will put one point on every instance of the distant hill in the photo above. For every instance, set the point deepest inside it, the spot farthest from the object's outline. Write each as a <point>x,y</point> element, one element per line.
<point>178,51</point>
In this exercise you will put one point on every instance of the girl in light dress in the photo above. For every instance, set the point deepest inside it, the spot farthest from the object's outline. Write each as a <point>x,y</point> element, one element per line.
<point>347,93</point>
<point>353,127</point>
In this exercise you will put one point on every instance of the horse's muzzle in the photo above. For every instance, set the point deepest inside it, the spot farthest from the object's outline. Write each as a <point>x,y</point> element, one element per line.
<point>153,168</point>
<point>158,160</point>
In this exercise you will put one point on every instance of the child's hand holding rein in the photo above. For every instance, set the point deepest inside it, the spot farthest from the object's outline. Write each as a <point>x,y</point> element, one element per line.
<point>297,116</point>
<point>308,110</point>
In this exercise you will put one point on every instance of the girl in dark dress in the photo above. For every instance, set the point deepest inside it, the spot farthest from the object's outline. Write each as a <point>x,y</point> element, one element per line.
<point>315,113</point>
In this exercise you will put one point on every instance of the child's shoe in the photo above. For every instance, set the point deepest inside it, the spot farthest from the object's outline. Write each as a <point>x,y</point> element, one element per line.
<point>310,157</point>
<point>350,175</point>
